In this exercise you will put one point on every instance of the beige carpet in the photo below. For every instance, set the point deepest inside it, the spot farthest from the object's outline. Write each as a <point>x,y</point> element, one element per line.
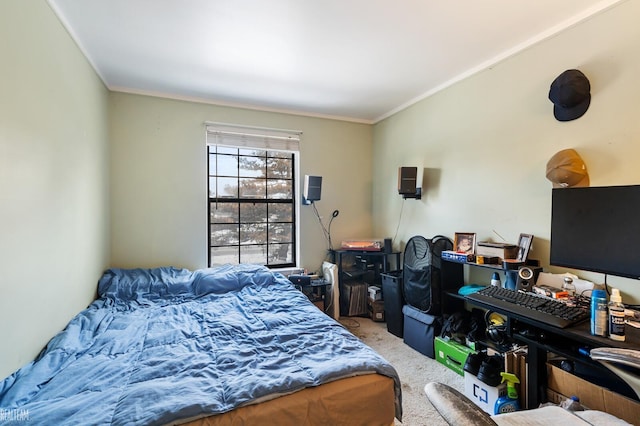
<point>414,369</point>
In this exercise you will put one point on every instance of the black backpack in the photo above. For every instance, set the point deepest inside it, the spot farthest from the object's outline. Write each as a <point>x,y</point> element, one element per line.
<point>422,273</point>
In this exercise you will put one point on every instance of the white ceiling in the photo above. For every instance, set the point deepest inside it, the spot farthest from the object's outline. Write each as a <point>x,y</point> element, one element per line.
<point>359,60</point>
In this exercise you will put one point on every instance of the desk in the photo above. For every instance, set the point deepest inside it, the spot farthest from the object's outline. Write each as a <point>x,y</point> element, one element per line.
<point>542,339</point>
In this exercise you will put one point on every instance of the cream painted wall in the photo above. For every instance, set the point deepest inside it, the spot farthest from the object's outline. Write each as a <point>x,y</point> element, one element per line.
<point>484,142</point>
<point>53,180</point>
<point>158,184</point>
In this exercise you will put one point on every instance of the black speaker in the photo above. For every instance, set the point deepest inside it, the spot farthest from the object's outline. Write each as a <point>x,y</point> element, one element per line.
<point>407,179</point>
<point>312,188</point>
<point>527,277</point>
<point>388,245</point>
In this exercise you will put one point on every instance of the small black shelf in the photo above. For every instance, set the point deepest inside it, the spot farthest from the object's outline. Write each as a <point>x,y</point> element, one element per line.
<point>355,273</point>
<point>583,366</point>
<point>495,266</point>
<point>361,266</point>
<point>454,295</point>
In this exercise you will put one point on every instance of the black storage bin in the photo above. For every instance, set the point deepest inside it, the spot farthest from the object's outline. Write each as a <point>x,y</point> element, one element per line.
<point>393,302</point>
<point>420,330</point>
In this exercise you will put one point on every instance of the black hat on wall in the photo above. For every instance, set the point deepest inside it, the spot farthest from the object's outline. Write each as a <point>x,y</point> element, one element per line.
<point>570,94</point>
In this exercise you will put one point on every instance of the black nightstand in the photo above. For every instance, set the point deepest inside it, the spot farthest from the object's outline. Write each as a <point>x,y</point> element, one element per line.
<point>316,291</point>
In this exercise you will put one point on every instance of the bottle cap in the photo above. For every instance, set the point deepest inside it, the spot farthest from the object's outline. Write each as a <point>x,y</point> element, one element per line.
<point>615,295</point>
<point>598,294</point>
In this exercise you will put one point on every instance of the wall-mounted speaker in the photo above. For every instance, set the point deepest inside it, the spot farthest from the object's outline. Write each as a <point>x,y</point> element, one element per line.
<point>312,189</point>
<point>407,178</point>
<point>527,277</point>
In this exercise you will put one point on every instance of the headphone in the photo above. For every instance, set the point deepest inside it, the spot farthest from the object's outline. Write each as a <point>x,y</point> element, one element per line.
<point>496,327</point>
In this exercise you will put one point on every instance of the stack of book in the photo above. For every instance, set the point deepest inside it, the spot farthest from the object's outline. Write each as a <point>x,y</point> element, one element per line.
<point>458,257</point>
<point>353,299</point>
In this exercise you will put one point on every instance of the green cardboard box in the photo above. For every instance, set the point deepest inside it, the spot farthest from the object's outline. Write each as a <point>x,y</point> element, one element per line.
<point>452,354</point>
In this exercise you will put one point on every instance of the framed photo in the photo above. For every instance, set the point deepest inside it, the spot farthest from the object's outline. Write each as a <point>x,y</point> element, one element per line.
<point>465,242</point>
<point>524,245</point>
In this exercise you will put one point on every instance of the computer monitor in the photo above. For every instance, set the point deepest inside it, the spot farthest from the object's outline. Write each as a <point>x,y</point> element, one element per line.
<point>597,229</point>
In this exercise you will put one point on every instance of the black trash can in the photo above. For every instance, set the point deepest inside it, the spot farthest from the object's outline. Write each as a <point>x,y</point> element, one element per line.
<point>393,302</point>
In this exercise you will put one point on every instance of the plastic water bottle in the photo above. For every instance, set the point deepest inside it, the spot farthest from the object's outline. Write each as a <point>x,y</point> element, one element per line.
<point>495,279</point>
<point>616,316</point>
<point>598,313</point>
<point>569,287</point>
<point>572,404</point>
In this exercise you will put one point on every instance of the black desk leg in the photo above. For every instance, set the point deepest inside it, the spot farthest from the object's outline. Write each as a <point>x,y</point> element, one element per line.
<point>537,377</point>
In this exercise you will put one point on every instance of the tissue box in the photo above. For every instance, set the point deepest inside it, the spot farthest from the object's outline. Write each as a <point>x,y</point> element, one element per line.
<point>375,293</point>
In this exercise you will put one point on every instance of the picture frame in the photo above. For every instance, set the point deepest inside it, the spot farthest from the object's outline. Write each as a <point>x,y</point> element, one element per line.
<point>464,242</point>
<point>524,246</point>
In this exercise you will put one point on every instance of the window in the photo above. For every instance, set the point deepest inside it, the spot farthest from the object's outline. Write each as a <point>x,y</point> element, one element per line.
<point>252,203</point>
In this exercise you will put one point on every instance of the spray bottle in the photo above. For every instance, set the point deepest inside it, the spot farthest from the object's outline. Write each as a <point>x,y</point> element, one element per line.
<point>616,316</point>
<point>509,402</point>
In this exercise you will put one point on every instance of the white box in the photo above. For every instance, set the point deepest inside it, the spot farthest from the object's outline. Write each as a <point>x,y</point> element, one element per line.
<point>501,250</point>
<point>483,395</point>
<point>375,293</point>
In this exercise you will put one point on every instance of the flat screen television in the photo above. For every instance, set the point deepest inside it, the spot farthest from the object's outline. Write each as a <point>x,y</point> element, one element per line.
<point>597,229</point>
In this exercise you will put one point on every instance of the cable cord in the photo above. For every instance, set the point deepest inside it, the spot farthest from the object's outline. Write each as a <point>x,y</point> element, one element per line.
<point>326,232</point>
<point>399,221</point>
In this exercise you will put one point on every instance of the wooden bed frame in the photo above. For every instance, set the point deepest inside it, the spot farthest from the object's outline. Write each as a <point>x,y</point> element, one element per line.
<point>359,400</point>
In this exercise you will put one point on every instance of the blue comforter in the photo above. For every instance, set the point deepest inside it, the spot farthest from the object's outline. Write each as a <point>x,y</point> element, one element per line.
<point>164,344</point>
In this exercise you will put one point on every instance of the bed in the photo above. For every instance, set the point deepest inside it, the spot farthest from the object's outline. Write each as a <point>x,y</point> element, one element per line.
<point>228,345</point>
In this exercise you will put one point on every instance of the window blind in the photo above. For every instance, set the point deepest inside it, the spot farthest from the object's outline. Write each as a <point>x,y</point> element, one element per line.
<point>253,137</point>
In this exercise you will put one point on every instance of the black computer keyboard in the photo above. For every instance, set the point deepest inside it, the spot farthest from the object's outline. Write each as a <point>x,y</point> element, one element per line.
<point>531,305</point>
